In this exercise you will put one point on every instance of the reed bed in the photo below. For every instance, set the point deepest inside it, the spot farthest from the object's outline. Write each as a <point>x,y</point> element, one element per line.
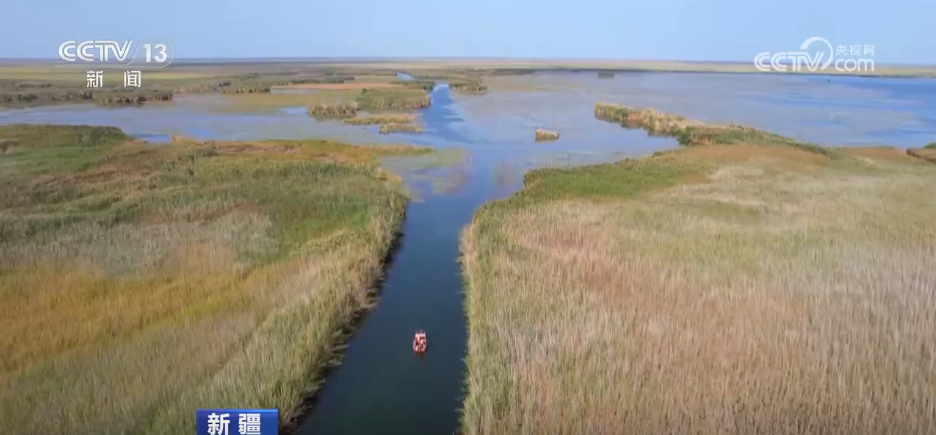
<point>425,85</point>
<point>393,99</point>
<point>104,97</point>
<point>546,135</point>
<point>693,133</point>
<point>382,119</point>
<point>468,86</point>
<point>400,128</point>
<point>28,92</point>
<point>131,97</point>
<point>340,109</point>
<point>749,288</point>
<point>140,282</point>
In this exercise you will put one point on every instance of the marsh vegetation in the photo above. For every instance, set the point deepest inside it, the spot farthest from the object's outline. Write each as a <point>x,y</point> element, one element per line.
<point>468,86</point>
<point>381,99</point>
<point>34,86</point>
<point>341,109</point>
<point>693,133</point>
<point>110,98</point>
<point>546,135</point>
<point>400,128</point>
<point>139,282</point>
<point>382,119</point>
<point>17,96</point>
<point>746,283</point>
<point>394,99</point>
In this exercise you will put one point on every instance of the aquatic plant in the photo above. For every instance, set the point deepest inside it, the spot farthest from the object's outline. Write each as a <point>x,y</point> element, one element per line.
<point>131,97</point>
<point>246,88</point>
<point>543,135</point>
<point>381,119</point>
<point>606,74</point>
<point>170,268</point>
<point>703,289</point>
<point>692,133</point>
<point>393,99</point>
<point>425,85</point>
<point>346,108</point>
<point>394,128</point>
<point>468,86</point>
<point>17,98</point>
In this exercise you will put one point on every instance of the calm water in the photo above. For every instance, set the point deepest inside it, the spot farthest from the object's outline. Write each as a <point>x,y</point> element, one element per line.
<point>381,387</point>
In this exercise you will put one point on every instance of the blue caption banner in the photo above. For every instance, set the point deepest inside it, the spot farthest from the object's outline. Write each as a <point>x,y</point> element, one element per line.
<point>237,421</point>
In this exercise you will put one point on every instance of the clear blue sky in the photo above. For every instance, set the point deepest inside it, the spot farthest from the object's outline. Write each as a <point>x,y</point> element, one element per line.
<point>901,30</point>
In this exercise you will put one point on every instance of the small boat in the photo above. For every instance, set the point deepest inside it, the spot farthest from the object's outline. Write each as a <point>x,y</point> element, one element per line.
<point>419,342</point>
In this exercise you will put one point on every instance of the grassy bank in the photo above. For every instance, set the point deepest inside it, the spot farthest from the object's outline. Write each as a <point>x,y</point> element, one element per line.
<point>744,284</point>
<point>140,282</point>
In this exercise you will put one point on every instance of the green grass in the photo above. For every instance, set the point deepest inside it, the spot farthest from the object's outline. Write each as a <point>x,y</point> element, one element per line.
<point>140,282</point>
<point>756,286</point>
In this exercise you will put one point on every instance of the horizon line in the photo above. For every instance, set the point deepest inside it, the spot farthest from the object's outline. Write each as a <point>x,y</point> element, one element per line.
<point>439,58</point>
